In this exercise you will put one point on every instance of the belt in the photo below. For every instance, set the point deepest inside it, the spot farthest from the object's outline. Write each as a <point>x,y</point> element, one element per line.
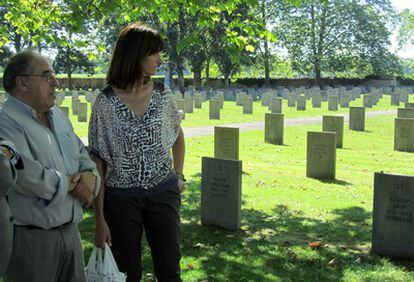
<point>41,228</point>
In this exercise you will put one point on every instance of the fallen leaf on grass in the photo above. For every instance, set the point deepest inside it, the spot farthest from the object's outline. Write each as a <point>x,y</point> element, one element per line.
<point>332,262</point>
<point>150,277</point>
<point>362,202</point>
<point>191,266</point>
<point>200,246</point>
<point>292,256</point>
<point>249,239</point>
<point>315,245</point>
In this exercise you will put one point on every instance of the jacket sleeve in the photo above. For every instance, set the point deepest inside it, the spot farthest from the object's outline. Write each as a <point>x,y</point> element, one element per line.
<point>35,180</point>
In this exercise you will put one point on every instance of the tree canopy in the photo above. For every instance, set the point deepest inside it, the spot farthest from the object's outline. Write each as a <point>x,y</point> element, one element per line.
<point>322,38</point>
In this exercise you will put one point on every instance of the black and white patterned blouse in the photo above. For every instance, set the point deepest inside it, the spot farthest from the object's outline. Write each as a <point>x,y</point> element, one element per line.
<point>136,149</point>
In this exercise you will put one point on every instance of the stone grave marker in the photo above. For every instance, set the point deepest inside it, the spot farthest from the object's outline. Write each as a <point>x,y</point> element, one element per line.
<point>60,96</point>
<point>403,97</point>
<point>316,100</point>
<point>226,142</point>
<point>248,105</point>
<point>198,101</point>
<point>291,99</point>
<point>404,134</point>
<point>82,112</point>
<point>367,100</point>
<point>275,105</point>
<point>181,106</point>
<point>220,96</point>
<point>221,187</point>
<point>301,103</point>
<point>357,118</point>
<point>334,124</point>
<point>75,103</point>
<point>408,105</point>
<point>392,224</point>
<point>345,98</point>
<point>274,128</point>
<point>321,155</point>
<point>332,103</point>
<point>189,105</point>
<point>395,99</point>
<point>239,98</point>
<point>405,113</point>
<point>214,108</point>
<point>2,98</point>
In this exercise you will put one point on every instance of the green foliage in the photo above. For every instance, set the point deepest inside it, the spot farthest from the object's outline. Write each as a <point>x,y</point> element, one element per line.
<point>334,36</point>
<point>74,59</point>
<point>406,30</point>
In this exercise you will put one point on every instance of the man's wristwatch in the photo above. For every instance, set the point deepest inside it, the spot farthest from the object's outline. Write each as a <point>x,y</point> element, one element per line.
<point>7,151</point>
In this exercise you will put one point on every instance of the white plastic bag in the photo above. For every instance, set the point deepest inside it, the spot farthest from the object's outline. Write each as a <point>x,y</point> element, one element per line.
<point>102,267</point>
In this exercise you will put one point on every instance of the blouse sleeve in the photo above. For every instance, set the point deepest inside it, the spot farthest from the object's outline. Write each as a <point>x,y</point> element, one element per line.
<point>171,119</point>
<point>98,135</point>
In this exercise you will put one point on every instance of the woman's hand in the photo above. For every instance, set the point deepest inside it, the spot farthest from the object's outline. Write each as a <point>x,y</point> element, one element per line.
<point>181,185</point>
<point>102,234</point>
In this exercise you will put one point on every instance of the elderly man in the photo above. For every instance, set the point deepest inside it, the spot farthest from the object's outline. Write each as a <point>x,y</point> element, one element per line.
<point>9,162</point>
<point>58,176</point>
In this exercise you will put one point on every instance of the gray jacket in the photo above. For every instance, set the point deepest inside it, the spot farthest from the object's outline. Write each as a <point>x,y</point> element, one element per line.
<point>7,181</point>
<point>41,196</point>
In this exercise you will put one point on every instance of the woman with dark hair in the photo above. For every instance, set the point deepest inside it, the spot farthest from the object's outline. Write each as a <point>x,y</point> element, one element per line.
<point>134,126</point>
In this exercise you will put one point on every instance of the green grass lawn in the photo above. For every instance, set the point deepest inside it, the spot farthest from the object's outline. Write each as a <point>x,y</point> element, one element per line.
<point>283,210</point>
<point>234,114</point>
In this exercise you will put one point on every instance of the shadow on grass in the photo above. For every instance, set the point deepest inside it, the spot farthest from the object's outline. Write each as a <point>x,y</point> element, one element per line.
<point>334,181</point>
<point>270,246</point>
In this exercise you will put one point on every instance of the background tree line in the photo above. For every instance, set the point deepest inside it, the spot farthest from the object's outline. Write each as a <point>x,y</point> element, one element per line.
<point>264,38</point>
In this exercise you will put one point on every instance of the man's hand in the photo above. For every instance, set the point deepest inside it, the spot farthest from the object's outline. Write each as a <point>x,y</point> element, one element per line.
<point>85,187</point>
<point>72,181</point>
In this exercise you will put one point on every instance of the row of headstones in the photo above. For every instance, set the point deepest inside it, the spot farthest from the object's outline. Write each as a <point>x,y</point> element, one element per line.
<point>78,108</point>
<point>274,103</point>
<point>221,189</point>
<point>321,146</point>
<point>230,93</point>
<point>317,95</point>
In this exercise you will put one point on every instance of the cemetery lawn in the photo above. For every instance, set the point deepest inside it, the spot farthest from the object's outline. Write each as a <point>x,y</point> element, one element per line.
<point>283,212</point>
<point>234,114</point>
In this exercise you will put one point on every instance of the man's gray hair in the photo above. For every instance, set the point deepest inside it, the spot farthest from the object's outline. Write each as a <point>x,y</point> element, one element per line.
<point>17,65</point>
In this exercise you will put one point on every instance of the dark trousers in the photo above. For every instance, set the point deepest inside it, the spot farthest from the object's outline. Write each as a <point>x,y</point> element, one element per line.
<point>158,215</point>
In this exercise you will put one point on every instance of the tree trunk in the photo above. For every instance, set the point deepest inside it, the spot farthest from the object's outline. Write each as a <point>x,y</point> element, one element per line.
<point>69,68</point>
<point>318,77</point>
<point>266,48</point>
<point>180,75</point>
<point>180,62</point>
<point>168,74</point>
<point>17,42</point>
<point>197,77</point>
<point>227,80</point>
<point>208,70</point>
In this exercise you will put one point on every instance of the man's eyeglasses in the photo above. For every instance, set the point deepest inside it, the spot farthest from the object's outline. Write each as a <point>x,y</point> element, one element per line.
<point>49,77</point>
